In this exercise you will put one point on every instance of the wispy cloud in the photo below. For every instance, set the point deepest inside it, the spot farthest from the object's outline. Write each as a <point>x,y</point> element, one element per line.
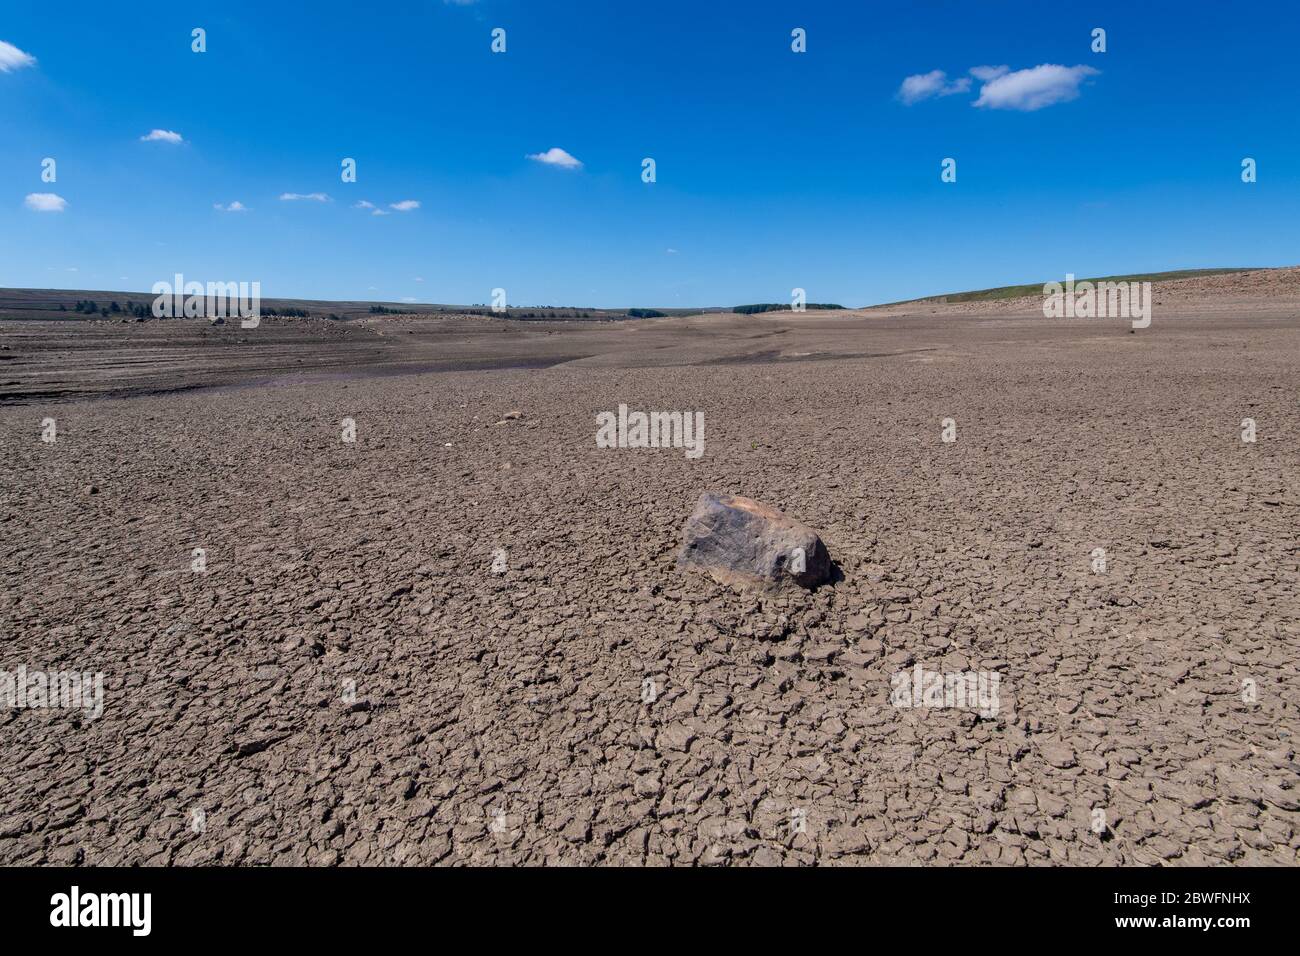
<point>1034,88</point>
<point>309,197</point>
<point>406,205</point>
<point>45,202</point>
<point>162,136</point>
<point>923,86</point>
<point>235,206</point>
<point>12,58</point>
<point>557,157</point>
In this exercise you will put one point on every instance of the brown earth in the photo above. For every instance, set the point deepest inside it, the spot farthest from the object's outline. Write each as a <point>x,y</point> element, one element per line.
<point>350,681</point>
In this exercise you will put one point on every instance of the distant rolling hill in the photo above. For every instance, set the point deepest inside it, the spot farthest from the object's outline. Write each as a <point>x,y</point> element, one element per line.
<point>61,304</point>
<point>1036,288</point>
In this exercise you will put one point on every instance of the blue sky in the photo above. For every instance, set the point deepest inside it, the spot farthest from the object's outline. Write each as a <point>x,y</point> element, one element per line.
<point>774,169</point>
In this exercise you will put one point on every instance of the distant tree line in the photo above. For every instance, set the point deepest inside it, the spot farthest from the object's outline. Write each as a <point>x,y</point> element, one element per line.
<point>517,312</point>
<point>90,307</point>
<point>540,312</point>
<point>781,307</point>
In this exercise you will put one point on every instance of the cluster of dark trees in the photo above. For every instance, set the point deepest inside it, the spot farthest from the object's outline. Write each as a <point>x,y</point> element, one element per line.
<point>550,314</point>
<point>517,313</point>
<point>385,310</point>
<point>781,307</point>
<point>90,307</point>
<point>646,313</point>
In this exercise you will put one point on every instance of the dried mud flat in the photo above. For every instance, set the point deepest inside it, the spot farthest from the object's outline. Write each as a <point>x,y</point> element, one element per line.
<point>350,681</point>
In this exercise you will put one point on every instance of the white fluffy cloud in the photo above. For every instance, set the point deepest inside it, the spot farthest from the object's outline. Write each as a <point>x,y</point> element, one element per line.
<point>406,205</point>
<point>161,136</point>
<point>310,197</point>
<point>235,206</point>
<point>556,157</point>
<point>45,202</point>
<point>922,86</point>
<point>1032,89</point>
<point>12,58</point>
<point>1002,89</point>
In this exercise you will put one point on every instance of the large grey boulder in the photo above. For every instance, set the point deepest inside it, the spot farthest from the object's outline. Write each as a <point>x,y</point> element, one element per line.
<point>743,542</point>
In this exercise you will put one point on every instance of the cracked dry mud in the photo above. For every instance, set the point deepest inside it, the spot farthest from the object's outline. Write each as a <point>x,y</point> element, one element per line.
<point>350,682</point>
